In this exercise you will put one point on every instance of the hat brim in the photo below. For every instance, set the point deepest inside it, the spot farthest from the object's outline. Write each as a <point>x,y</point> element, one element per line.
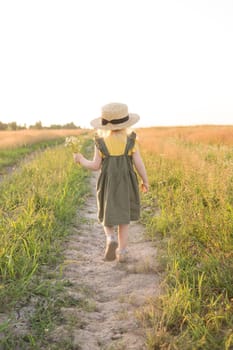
<point>97,123</point>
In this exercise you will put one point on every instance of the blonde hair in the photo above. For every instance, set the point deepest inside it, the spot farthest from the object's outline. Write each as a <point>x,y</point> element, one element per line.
<point>106,133</point>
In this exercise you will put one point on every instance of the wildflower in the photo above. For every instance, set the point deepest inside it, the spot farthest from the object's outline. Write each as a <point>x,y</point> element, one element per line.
<point>74,143</point>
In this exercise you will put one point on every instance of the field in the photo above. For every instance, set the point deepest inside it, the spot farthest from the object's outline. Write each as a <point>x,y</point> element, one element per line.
<point>188,212</point>
<point>191,177</point>
<point>12,139</point>
<point>16,145</point>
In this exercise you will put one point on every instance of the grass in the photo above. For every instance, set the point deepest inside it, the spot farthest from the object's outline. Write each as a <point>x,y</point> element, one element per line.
<point>15,145</point>
<point>191,183</point>
<point>38,204</point>
<point>191,179</point>
<point>19,138</point>
<point>35,203</point>
<point>12,157</point>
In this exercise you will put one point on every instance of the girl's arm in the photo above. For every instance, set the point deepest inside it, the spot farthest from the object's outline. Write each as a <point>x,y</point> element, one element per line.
<point>140,167</point>
<point>93,164</point>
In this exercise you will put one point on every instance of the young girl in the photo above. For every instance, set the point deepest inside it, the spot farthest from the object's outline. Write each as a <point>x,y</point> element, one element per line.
<point>116,154</point>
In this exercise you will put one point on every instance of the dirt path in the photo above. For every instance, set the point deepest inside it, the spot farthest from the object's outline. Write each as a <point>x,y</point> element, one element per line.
<point>115,291</point>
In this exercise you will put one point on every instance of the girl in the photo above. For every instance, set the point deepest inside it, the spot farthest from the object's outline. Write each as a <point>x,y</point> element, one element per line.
<point>116,154</point>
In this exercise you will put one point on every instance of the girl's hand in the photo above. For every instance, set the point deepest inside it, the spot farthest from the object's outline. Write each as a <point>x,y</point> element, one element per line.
<point>77,157</point>
<point>144,187</point>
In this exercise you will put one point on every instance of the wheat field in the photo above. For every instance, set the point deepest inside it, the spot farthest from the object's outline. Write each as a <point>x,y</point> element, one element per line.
<point>9,139</point>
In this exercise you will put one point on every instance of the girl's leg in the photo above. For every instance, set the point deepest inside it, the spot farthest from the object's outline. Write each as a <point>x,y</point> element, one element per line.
<point>111,244</point>
<point>121,253</point>
<point>123,231</point>
<point>109,231</point>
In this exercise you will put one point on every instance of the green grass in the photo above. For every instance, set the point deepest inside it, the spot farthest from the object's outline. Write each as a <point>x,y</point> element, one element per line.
<point>38,203</point>
<point>195,199</point>
<point>11,156</point>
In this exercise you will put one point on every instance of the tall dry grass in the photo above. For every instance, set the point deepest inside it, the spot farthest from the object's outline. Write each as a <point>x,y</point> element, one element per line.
<point>193,146</point>
<point>217,135</point>
<point>10,139</point>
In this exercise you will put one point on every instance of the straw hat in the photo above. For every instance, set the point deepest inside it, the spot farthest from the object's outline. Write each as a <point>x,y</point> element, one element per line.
<point>115,116</point>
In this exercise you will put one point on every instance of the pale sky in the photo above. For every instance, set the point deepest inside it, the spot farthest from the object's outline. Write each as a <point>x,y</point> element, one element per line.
<point>170,61</point>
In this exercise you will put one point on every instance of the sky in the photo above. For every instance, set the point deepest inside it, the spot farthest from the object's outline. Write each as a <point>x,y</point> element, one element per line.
<point>170,61</point>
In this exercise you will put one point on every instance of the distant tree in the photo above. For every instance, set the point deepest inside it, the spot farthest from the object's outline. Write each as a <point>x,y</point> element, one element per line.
<point>70,126</point>
<point>38,125</point>
<point>21,127</point>
<point>3,126</point>
<point>12,126</point>
<point>55,126</point>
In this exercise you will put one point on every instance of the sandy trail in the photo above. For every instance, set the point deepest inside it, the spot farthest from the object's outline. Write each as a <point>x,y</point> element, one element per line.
<point>116,291</point>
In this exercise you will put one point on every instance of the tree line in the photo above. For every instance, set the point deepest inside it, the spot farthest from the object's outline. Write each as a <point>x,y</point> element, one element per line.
<point>38,125</point>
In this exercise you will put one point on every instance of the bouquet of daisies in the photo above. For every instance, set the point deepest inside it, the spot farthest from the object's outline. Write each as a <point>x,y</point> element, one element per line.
<point>74,143</point>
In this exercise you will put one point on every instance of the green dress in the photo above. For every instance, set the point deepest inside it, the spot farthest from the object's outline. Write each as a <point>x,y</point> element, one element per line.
<point>117,186</point>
